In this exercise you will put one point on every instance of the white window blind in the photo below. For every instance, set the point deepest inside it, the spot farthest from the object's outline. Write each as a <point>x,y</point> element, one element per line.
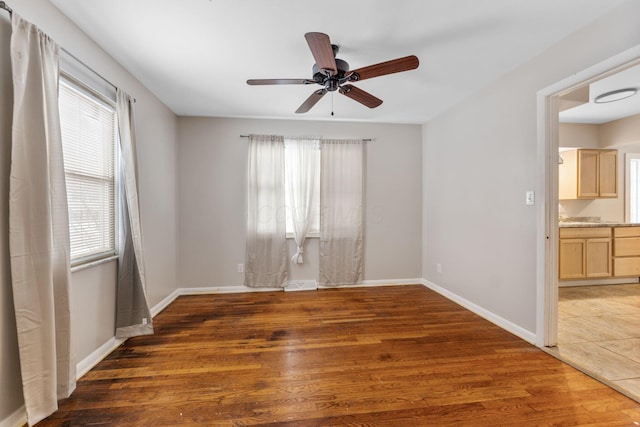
<point>88,126</point>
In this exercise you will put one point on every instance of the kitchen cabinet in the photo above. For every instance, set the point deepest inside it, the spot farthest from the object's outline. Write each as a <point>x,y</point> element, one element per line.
<point>626,251</point>
<point>585,252</point>
<point>588,174</point>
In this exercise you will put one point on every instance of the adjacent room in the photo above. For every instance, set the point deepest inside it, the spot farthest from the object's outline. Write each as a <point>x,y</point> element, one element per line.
<point>287,213</point>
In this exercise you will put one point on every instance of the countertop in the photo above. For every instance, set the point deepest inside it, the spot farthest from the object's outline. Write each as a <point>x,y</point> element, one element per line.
<point>567,224</point>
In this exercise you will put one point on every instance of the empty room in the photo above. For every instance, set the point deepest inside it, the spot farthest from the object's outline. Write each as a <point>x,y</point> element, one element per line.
<point>281,212</point>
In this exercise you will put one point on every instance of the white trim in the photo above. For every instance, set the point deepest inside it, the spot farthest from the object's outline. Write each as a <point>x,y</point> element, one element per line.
<point>86,364</point>
<point>164,303</point>
<point>376,283</point>
<point>224,290</point>
<point>546,222</point>
<point>627,183</point>
<point>501,322</point>
<point>95,263</point>
<point>17,419</point>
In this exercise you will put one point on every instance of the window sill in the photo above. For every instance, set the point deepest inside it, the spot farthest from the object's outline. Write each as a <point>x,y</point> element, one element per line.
<point>94,263</point>
<point>309,236</point>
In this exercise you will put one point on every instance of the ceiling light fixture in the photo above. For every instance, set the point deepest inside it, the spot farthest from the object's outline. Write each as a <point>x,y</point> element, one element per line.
<point>615,95</point>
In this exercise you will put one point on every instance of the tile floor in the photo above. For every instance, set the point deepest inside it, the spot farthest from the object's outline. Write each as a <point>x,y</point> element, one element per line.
<point>599,331</point>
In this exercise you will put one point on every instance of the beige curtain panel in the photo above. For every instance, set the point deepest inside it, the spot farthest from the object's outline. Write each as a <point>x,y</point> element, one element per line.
<point>133,316</point>
<point>341,212</point>
<point>266,252</point>
<point>38,224</point>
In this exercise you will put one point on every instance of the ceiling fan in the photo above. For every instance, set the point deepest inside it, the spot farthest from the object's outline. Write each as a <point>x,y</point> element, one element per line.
<point>333,74</point>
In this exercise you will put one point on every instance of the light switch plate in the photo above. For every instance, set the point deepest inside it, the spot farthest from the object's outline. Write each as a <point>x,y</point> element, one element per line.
<point>530,198</point>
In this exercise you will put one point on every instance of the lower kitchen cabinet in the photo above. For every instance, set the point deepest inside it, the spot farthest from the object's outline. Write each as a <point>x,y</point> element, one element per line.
<point>585,252</point>
<point>626,251</point>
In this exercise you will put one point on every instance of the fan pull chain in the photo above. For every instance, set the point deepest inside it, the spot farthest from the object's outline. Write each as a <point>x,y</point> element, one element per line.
<point>331,104</point>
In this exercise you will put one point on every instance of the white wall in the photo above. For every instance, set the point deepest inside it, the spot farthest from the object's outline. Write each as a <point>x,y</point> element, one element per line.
<point>213,168</point>
<point>479,159</point>
<point>93,290</point>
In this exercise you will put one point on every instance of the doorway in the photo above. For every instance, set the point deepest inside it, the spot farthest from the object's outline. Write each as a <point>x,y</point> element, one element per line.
<point>550,102</point>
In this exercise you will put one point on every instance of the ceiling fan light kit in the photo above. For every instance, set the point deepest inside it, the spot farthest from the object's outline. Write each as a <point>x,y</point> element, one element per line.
<point>333,74</point>
<point>615,95</point>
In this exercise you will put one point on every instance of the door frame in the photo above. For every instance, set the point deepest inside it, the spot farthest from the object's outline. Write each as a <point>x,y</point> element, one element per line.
<point>547,188</point>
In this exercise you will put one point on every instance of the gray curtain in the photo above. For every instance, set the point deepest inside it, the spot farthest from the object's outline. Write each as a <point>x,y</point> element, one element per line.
<point>133,316</point>
<point>38,224</point>
<point>266,256</point>
<point>341,212</point>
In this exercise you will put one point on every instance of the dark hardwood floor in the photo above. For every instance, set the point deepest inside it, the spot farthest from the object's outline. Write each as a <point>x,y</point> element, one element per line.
<point>386,356</point>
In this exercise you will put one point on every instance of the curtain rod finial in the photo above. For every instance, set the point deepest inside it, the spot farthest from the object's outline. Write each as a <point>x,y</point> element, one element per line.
<point>5,6</point>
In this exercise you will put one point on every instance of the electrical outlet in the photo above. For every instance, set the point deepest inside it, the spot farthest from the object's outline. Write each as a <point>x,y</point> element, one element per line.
<point>439,268</point>
<point>240,268</point>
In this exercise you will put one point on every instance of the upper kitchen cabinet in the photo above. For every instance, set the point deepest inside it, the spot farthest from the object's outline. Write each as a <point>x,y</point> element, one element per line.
<point>588,174</point>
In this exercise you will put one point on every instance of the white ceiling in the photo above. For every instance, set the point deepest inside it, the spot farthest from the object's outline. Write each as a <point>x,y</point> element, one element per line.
<point>603,113</point>
<point>196,55</point>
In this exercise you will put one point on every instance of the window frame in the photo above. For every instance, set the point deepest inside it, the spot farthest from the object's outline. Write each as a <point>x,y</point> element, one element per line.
<point>95,95</point>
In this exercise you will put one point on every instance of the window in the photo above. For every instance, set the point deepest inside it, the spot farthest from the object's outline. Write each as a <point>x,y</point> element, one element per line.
<point>302,167</point>
<point>88,126</point>
<point>633,187</point>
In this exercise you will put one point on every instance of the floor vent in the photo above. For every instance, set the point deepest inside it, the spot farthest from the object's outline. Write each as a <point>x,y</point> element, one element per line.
<point>301,285</point>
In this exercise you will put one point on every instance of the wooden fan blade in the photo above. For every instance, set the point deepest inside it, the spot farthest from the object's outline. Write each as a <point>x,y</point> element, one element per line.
<point>322,52</point>
<point>360,95</point>
<point>311,101</point>
<point>256,82</point>
<point>389,67</point>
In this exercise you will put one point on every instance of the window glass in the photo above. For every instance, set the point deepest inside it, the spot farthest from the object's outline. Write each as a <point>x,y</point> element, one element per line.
<point>88,126</point>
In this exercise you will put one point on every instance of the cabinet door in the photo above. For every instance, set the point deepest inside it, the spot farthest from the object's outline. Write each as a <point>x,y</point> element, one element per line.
<point>588,179</point>
<point>572,259</point>
<point>598,258</point>
<point>608,173</point>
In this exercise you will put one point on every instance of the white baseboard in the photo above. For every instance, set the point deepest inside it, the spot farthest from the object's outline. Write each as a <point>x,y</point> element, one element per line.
<point>376,283</point>
<point>503,323</point>
<point>224,290</point>
<point>86,364</point>
<point>164,303</point>
<point>17,419</point>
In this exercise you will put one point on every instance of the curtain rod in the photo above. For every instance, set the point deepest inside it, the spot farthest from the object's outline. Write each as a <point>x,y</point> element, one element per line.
<point>4,6</point>
<point>363,139</point>
<point>100,76</point>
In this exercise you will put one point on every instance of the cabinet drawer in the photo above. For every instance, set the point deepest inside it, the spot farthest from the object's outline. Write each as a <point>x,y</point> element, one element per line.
<point>626,266</point>
<point>626,246</point>
<point>626,232</point>
<point>584,232</point>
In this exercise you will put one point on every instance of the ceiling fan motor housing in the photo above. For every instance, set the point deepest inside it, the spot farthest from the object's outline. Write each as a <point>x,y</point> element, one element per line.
<point>331,83</point>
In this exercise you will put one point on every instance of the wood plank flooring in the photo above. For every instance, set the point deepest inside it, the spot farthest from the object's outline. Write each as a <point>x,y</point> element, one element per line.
<point>599,331</point>
<point>387,356</point>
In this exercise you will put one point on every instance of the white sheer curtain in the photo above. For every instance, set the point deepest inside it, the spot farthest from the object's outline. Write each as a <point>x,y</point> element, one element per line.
<point>341,212</point>
<point>302,176</point>
<point>38,224</point>
<point>133,316</point>
<point>266,258</point>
